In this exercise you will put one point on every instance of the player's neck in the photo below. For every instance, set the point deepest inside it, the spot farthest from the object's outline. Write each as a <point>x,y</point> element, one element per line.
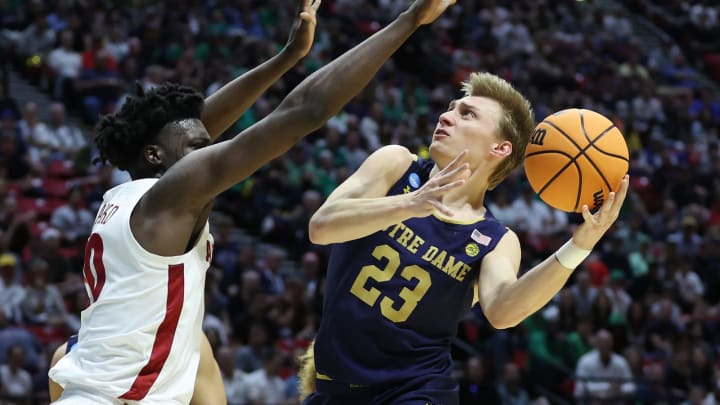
<point>468,199</point>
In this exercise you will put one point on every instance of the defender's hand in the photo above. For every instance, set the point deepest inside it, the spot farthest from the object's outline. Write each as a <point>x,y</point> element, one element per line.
<point>595,225</point>
<point>427,11</point>
<point>429,197</point>
<point>303,31</point>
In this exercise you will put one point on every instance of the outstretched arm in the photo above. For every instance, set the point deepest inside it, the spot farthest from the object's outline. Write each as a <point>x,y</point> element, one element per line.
<point>205,173</point>
<point>507,300</point>
<point>230,102</point>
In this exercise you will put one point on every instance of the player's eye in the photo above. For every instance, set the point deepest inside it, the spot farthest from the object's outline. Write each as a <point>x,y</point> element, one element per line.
<point>468,114</point>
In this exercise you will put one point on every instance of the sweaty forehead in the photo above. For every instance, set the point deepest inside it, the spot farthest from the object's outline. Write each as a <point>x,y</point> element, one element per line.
<point>189,128</point>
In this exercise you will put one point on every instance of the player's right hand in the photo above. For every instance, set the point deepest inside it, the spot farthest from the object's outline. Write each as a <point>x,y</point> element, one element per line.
<point>303,31</point>
<point>427,11</point>
<point>428,198</point>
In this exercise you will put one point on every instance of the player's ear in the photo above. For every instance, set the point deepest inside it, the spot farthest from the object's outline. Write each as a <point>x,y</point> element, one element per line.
<point>502,149</point>
<point>154,155</point>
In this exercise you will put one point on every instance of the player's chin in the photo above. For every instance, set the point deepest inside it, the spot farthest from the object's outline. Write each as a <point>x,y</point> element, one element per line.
<point>438,151</point>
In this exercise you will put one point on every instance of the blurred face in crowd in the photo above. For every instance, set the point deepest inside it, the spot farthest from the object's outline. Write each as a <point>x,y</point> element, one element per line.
<point>604,344</point>
<point>57,114</point>
<point>16,357</point>
<point>475,370</point>
<point>511,376</point>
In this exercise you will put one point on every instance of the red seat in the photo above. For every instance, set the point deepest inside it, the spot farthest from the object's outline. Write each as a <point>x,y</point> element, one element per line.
<point>61,169</point>
<point>55,187</point>
<point>37,227</point>
<point>41,206</point>
<point>69,253</point>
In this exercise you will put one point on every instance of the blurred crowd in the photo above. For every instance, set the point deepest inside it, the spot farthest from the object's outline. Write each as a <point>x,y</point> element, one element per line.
<point>639,321</point>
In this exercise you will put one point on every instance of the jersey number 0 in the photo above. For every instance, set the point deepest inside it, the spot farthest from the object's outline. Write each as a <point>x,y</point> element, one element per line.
<point>409,296</point>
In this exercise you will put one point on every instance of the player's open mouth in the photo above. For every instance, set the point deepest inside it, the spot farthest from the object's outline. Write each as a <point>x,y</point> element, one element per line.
<point>439,133</point>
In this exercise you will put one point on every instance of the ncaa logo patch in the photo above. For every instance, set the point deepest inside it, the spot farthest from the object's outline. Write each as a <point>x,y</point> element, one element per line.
<point>414,180</point>
<point>472,249</point>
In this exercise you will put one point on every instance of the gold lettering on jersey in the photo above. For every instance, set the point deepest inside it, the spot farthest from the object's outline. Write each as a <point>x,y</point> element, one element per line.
<point>430,253</point>
<point>415,244</point>
<point>405,237</point>
<point>439,258</point>
<point>395,229</point>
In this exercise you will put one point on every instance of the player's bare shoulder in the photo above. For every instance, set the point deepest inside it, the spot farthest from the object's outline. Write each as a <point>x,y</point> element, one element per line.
<point>392,160</point>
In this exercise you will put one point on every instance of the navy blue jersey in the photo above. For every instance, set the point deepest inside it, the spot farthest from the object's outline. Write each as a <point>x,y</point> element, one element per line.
<point>393,300</point>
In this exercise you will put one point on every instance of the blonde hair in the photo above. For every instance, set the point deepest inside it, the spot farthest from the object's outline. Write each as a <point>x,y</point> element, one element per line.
<point>306,375</point>
<point>516,123</point>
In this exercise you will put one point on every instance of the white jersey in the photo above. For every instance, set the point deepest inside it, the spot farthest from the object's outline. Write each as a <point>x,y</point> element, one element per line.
<point>140,337</point>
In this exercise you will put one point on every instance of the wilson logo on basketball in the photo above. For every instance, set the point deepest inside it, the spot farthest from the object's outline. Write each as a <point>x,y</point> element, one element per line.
<point>598,198</point>
<point>538,137</point>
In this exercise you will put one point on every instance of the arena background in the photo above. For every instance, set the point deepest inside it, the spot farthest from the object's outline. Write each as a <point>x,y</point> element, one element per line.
<point>653,282</point>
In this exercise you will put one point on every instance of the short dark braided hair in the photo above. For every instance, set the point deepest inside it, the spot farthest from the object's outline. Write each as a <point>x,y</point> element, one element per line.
<point>120,137</point>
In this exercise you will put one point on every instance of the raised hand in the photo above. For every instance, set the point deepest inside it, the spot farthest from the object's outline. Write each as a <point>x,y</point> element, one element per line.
<point>428,198</point>
<point>303,31</point>
<point>427,11</point>
<point>595,225</point>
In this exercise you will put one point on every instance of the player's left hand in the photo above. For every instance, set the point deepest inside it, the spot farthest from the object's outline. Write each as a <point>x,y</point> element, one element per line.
<point>595,225</point>
<point>303,31</point>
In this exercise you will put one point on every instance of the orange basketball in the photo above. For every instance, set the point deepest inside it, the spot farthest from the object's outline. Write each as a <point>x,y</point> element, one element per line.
<point>576,157</point>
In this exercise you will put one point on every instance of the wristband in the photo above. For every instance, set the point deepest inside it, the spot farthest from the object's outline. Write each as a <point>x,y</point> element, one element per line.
<point>570,256</point>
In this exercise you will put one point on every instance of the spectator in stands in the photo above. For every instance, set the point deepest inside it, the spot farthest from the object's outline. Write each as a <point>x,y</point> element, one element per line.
<point>14,225</point>
<point>264,384</point>
<point>584,292</point>
<point>43,305</point>
<point>69,139</point>
<point>7,103</point>
<point>603,374</point>
<point>476,387</point>
<point>652,388</point>
<point>13,152</point>
<point>249,357</point>
<point>99,87</point>
<point>37,39</point>
<point>16,382</point>
<point>66,65</point>
<point>48,249</point>
<point>509,388</point>
<point>34,133</point>
<point>12,292</point>
<point>236,389</point>
<point>73,220</point>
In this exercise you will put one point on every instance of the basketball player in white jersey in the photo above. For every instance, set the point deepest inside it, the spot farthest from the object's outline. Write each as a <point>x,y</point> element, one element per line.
<point>141,339</point>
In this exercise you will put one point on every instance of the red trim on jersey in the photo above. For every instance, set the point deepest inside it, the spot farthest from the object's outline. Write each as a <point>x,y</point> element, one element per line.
<point>94,282</point>
<point>164,336</point>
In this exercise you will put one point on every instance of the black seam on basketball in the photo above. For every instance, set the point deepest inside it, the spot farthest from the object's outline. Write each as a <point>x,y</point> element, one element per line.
<point>569,138</point>
<point>579,189</point>
<point>582,152</point>
<point>542,152</point>
<point>559,172</point>
<point>606,153</point>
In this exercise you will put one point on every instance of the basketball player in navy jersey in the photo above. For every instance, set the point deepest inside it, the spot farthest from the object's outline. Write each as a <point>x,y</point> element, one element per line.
<point>176,176</point>
<point>412,246</point>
